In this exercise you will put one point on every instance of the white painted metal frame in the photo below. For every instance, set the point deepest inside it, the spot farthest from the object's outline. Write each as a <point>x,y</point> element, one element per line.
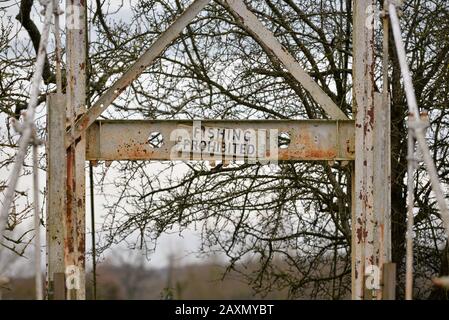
<point>365,247</point>
<point>166,38</point>
<point>75,217</point>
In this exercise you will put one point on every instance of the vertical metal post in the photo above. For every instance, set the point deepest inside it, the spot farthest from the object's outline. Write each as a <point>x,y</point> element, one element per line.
<point>92,219</point>
<point>365,253</point>
<point>382,184</point>
<point>386,103</point>
<point>76,106</point>
<point>56,190</point>
<point>382,172</point>
<point>37,222</point>
<point>410,214</point>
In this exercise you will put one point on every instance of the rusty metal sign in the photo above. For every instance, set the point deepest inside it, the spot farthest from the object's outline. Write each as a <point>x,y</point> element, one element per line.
<point>251,140</point>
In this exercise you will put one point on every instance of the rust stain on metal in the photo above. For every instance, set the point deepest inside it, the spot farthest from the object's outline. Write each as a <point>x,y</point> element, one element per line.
<point>81,251</point>
<point>83,122</point>
<point>359,235</point>
<point>349,147</point>
<point>362,234</point>
<point>314,154</point>
<point>310,148</point>
<point>120,90</point>
<point>70,194</point>
<point>128,140</point>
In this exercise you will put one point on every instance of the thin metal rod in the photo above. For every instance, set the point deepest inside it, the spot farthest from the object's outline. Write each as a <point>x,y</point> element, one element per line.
<point>92,217</point>
<point>37,223</point>
<point>27,129</point>
<point>402,56</point>
<point>91,171</point>
<point>417,123</point>
<point>410,217</point>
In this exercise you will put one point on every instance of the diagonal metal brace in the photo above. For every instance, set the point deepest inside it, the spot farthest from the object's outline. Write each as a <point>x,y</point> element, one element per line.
<point>257,29</point>
<point>267,38</point>
<point>136,69</point>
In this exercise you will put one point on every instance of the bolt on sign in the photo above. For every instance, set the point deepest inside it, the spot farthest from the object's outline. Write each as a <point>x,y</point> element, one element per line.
<point>200,142</point>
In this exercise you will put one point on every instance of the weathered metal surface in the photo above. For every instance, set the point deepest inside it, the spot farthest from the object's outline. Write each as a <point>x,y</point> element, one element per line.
<point>267,38</point>
<point>76,102</point>
<point>138,67</point>
<point>128,140</point>
<point>364,252</point>
<point>56,189</point>
<point>310,140</point>
<point>80,226</point>
<point>386,143</point>
<point>382,182</point>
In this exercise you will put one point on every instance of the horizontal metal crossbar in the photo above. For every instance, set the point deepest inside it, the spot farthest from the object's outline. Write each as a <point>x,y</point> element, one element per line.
<point>165,140</point>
